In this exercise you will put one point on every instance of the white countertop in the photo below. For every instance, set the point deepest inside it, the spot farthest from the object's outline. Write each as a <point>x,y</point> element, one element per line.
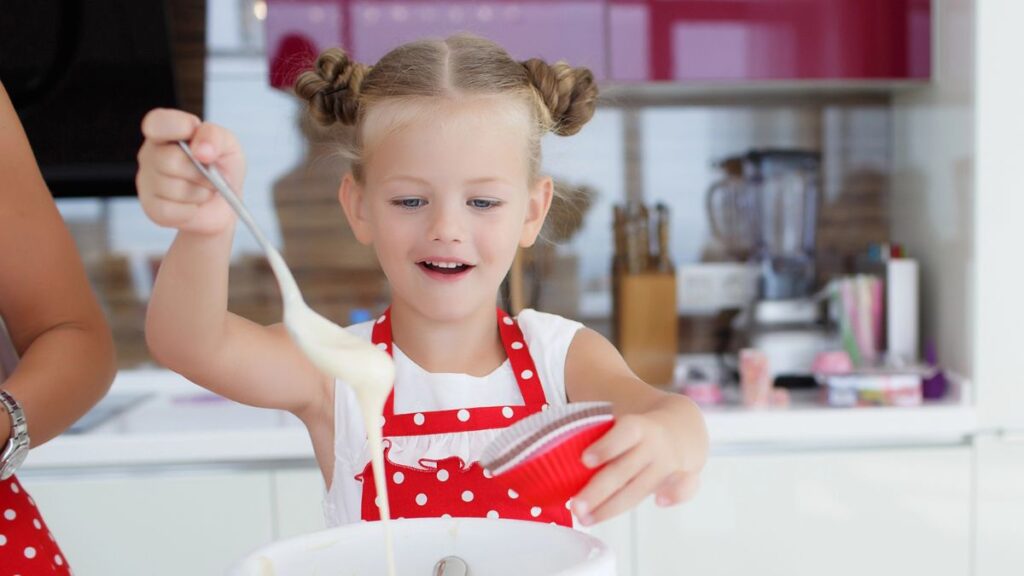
<point>173,422</point>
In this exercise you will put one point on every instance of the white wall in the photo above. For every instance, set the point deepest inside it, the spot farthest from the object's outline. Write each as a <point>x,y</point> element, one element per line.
<point>932,194</point>
<point>999,302</point>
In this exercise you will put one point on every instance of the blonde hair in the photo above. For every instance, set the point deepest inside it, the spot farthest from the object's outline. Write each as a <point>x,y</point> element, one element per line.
<point>560,98</point>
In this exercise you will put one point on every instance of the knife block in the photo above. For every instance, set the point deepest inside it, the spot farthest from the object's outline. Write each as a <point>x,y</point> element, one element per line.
<point>645,324</point>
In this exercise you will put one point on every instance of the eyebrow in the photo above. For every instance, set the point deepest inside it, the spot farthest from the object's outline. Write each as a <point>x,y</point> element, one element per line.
<point>417,180</point>
<point>486,180</point>
<point>408,178</point>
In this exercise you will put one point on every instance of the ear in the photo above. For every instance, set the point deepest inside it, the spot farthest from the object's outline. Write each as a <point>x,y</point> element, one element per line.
<point>351,195</point>
<point>537,210</point>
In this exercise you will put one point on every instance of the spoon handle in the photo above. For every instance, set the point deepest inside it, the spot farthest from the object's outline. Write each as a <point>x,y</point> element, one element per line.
<point>285,280</point>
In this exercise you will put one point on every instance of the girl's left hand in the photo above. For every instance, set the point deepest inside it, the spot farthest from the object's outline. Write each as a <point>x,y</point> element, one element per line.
<point>639,459</point>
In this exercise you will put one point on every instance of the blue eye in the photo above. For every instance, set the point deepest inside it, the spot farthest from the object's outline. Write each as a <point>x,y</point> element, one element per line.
<point>483,203</point>
<point>409,203</point>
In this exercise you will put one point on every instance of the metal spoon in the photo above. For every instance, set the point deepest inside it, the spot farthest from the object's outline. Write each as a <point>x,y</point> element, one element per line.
<point>451,566</point>
<point>331,348</point>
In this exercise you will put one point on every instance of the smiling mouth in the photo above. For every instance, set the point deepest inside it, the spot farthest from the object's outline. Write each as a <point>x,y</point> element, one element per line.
<point>450,268</point>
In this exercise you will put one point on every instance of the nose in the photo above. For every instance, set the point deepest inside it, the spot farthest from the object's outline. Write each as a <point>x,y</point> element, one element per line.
<point>446,223</point>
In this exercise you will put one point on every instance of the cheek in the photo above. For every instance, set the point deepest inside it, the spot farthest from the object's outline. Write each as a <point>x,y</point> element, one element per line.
<point>393,240</point>
<point>387,225</point>
<point>500,240</point>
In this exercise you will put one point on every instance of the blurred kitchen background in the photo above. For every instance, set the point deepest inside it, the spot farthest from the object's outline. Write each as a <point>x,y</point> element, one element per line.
<point>800,212</point>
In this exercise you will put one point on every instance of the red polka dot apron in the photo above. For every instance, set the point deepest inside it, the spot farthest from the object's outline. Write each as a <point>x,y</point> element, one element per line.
<point>26,544</point>
<point>452,487</point>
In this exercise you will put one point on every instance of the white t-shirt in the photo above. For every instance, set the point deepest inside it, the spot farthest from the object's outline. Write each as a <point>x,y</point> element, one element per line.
<point>547,336</point>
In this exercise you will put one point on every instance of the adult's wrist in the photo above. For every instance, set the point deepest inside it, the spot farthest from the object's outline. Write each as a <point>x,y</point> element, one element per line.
<point>13,450</point>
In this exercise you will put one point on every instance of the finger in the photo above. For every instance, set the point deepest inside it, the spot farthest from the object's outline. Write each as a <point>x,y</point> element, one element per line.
<point>166,173</point>
<point>638,488</point>
<point>184,192</point>
<point>151,181</point>
<point>211,143</point>
<point>676,489</point>
<point>170,214</point>
<point>623,436</point>
<point>169,161</point>
<point>164,125</point>
<point>608,481</point>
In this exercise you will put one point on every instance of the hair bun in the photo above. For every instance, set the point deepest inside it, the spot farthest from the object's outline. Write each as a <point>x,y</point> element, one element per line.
<point>332,87</point>
<point>569,93</point>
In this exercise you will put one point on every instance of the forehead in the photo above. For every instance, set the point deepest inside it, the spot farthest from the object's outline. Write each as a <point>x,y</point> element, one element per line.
<point>483,136</point>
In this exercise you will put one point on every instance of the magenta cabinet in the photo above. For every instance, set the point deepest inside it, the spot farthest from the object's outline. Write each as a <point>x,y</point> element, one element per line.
<point>571,30</point>
<point>686,41</point>
<point>550,29</point>
<point>725,41</point>
<point>298,30</point>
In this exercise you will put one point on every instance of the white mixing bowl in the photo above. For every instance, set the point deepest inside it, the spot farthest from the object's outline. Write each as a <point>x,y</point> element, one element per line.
<point>489,548</point>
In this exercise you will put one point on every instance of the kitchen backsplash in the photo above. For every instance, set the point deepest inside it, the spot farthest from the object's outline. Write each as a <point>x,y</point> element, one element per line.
<point>292,190</point>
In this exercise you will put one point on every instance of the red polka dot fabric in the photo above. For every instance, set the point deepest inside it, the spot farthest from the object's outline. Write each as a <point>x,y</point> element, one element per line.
<point>452,487</point>
<point>27,548</point>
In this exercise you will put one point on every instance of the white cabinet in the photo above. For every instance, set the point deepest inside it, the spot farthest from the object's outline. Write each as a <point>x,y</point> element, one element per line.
<point>843,512</point>
<point>886,511</point>
<point>157,524</point>
<point>1000,506</point>
<point>298,502</point>
<point>170,522</point>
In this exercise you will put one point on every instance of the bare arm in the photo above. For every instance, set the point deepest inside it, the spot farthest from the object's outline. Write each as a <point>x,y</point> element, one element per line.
<point>189,329</point>
<point>188,326</point>
<point>658,445</point>
<point>56,325</point>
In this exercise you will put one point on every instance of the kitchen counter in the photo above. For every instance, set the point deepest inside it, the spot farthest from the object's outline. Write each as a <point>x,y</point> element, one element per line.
<point>158,418</point>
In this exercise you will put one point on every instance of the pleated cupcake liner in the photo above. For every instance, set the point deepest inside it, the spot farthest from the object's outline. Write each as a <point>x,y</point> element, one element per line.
<point>540,457</point>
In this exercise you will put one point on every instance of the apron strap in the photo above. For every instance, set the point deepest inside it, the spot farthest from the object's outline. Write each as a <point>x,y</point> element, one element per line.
<point>468,419</point>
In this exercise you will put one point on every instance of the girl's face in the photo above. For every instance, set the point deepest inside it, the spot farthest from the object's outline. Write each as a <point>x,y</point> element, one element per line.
<point>446,201</point>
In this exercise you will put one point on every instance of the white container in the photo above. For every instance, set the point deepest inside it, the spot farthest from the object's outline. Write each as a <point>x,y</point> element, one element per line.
<point>489,548</point>
<point>901,309</point>
<point>708,287</point>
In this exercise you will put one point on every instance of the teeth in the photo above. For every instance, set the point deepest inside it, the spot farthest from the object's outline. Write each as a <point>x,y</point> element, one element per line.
<point>444,264</point>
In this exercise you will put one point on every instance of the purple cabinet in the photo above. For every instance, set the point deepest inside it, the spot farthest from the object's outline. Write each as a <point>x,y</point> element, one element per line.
<point>754,40</point>
<point>571,30</point>
<point>701,41</point>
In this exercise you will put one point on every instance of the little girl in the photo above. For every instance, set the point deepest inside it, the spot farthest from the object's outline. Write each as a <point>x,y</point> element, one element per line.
<point>445,186</point>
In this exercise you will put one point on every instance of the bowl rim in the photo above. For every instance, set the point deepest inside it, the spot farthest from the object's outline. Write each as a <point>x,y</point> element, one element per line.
<point>600,555</point>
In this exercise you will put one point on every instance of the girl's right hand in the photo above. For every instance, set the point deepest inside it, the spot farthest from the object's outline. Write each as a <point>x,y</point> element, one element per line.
<point>171,190</point>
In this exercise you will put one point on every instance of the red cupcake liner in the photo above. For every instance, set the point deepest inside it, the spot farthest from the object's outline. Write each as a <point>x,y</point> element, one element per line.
<point>540,457</point>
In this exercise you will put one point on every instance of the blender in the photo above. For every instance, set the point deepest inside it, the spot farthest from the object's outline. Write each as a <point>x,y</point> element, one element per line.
<point>765,211</point>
